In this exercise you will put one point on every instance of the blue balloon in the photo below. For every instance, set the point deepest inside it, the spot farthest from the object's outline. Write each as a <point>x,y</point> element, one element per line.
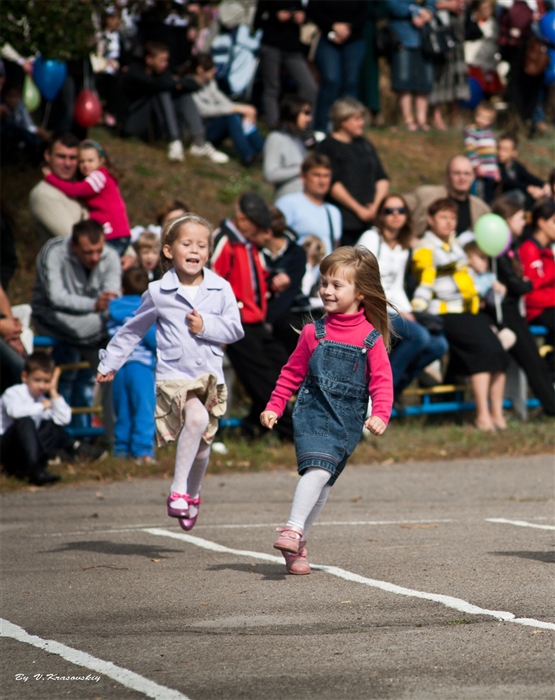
<point>476,95</point>
<point>549,75</point>
<point>547,26</point>
<point>49,76</point>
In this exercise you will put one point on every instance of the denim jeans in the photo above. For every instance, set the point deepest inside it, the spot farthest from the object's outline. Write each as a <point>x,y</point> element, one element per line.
<point>339,67</point>
<point>247,145</point>
<point>415,348</point>
<point>76,385</point>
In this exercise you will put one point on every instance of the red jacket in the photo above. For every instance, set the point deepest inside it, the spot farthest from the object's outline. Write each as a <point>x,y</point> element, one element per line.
<point>231,260</point>
<point>538,264</point>
<point>102,198</point>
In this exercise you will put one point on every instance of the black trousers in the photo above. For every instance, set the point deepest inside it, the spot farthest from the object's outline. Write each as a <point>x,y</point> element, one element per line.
<point>525,352</point>
<point>25,449</point>
<point>257,360</point>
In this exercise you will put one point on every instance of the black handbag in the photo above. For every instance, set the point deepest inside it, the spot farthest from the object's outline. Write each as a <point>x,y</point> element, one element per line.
<point>437,39</point>
<point>387,41</point>
<point>431,322</point>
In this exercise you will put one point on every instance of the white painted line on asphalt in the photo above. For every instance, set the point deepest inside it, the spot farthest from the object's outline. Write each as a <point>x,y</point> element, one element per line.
<point>127,678</point>
<point>449,601</point>
<point>242,526</point>
<point>520,523</point>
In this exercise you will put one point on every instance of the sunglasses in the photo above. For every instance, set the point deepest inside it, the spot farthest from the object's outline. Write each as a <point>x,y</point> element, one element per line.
<point>308,112</point>
<point>395,210</point>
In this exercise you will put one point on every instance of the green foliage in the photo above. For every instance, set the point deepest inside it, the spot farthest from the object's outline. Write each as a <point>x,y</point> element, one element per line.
<point>57,29</point>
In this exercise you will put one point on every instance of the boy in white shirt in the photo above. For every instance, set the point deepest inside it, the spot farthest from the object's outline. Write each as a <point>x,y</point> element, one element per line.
<point>32,417</point>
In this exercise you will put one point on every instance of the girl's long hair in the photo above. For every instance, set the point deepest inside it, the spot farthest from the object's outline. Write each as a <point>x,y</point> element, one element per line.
<point>405,234</point>
<point>172,230</point>
<point>361,267</point>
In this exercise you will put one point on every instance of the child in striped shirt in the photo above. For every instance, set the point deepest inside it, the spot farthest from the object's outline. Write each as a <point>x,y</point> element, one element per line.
<point>481,149</point>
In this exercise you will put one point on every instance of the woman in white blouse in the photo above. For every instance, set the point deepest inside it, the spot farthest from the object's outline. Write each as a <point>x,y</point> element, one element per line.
<point>390,240</point>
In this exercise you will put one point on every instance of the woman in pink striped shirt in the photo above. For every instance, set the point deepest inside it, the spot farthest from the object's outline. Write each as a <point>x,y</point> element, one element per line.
<point>100,191</point>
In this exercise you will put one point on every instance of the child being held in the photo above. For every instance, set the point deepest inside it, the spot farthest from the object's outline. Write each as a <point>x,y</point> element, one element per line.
<point>100,191</point>
<point>481,149</point>
<point>488,287</point>
<point>134,392</point>
<point>148,247</point>
<point>32,416</point>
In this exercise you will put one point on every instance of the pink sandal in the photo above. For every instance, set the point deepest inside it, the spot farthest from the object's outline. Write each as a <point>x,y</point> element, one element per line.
<point>189,523</point>
<point>297,563</point>
<point>177,512</point>
<point>288,540</point>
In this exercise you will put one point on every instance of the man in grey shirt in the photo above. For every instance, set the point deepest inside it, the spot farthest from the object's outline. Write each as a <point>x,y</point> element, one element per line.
<point>76,280</point>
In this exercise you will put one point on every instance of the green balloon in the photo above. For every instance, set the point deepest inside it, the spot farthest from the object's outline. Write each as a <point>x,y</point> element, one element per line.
<point>31,94</point>
<point>492,234</point>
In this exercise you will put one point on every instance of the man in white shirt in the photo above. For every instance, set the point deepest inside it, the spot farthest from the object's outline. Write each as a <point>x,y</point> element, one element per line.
<point>307,212</point>
<point>53,211</point>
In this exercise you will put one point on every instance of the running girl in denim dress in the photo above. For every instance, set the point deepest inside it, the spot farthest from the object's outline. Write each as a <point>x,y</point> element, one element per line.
<point>195,312</point>
<point>338,362</point>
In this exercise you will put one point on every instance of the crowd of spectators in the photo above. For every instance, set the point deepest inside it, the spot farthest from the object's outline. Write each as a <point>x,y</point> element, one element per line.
<point>157,74</point>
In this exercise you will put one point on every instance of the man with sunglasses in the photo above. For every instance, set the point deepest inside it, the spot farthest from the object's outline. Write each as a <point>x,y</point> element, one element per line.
<point>459,176</point>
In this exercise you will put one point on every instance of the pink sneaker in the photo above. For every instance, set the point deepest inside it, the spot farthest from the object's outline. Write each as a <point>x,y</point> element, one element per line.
<point>189,523</point>
<point>288,540</point>
<point>297,563</point>
<point>177,512</point>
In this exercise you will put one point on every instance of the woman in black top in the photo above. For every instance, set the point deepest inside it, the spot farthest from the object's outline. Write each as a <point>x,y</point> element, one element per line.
<point>509,273</point>
<point>340,51</point>
<point>359,181</point>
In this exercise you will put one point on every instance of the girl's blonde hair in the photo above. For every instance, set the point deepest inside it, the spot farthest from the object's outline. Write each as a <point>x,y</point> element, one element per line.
<point>171,232</point>
<point>359,266</point>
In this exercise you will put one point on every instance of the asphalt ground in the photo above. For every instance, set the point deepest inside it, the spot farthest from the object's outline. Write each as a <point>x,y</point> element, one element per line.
<point>430,581</point>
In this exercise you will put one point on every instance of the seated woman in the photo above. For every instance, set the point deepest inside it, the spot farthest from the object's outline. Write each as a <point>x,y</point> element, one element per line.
<point>222,116</point>
<point>284,149</point>
<point>390,240</point>
<point>445,288</point>
<point>288,307</point>
<point>509,273</point>
<point>359,182</point>
<point>538,264</point>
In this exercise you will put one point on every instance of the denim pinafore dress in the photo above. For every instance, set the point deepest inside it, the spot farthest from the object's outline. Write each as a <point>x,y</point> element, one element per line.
<point>332,403</point>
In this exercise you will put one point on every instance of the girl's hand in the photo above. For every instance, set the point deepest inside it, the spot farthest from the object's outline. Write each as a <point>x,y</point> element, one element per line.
<point>268,419</point>
<point>101,378</point>
<point>375,425</point>
<point>195,322</point>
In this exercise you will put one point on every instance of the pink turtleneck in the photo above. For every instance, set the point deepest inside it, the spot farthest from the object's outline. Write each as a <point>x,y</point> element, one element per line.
<point>343,328</point>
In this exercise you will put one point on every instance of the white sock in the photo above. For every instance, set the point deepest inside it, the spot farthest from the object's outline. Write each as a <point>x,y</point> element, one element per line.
<point>308,495</point>
<point>315,512</point>
<point>196,475</point>
<point>196,422</point>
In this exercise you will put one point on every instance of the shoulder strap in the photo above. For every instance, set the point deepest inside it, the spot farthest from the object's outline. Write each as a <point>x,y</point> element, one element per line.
<point>331,232</point>
<point>320,329</point>
<point>371,339</point>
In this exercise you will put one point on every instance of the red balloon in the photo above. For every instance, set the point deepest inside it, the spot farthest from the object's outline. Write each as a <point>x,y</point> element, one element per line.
<point>87,109</point>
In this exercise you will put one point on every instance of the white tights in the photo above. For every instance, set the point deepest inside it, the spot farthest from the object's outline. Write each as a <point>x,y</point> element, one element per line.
<point>193,453</point>
<point>310,497</point>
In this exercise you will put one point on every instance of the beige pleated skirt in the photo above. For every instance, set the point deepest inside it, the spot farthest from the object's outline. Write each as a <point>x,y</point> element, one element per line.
<point>170,405</point>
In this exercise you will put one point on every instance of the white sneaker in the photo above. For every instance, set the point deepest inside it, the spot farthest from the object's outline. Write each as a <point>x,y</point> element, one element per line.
<point>207,150</point>
<point>175,151</point>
